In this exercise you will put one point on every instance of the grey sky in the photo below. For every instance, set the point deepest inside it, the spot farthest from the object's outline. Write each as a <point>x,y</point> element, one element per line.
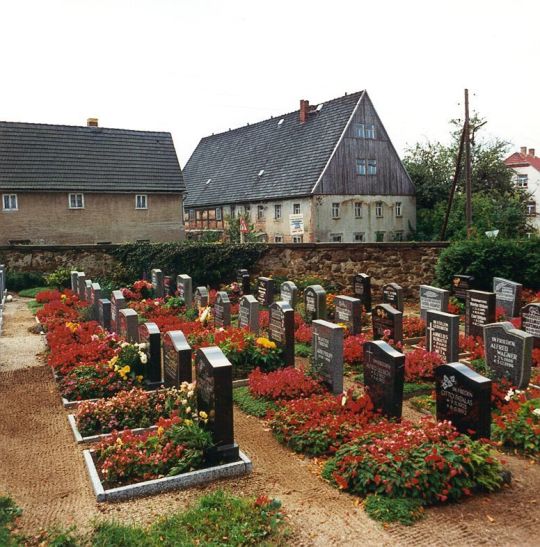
<point>196,67</point>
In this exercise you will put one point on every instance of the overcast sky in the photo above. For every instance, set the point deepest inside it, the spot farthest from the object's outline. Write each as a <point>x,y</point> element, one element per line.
<point>194,67</point>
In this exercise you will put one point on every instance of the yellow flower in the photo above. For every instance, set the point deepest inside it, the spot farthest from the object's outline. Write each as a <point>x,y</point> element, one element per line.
<point>72,326</point>
<point>112,362</point>
<point>119,441</point>
<point>188,422</point>
<point>160,431</point>
<point>265,343</point>
<point>203,415</point>
<point>139,378</point>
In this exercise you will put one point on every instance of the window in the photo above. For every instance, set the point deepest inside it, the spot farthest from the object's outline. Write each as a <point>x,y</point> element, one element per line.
<point>358,209</point>
<point>399,213</point>
<point>359,237</point>
<point>360,167</point>
<point>296,208</point>
<point>218,213</point>
<point>335,210</point>
<point>9,202</point>
<point>336,238</point>
<point>398,236</point>
<point>278,238</point>
<point>260,212</point>
<point>191,213</point>
<point>522,181</point>
<point>379,237</point>
<point>372,167</point>
<point>277,211</point>
<point>233,211</point>
<point>76,201</point>
<point>379,209</point>
<point>370,131</point>
<point>247,209</point>
<point>360,131</point>
<point>141,202</point>
<point>298,239</point>
<point>531,208</point>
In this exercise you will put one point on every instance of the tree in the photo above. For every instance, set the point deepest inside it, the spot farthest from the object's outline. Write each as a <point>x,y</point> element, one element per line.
<point>232,231</point>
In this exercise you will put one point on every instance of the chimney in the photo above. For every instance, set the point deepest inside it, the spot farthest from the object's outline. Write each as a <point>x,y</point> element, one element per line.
<point>531,152</point>
<point>524,150</point>
<point>92,122</point>
<point>304,110</point>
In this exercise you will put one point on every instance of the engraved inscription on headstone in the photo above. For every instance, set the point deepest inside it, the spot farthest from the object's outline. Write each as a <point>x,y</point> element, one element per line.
<point>392,294</point>
<point>362,290</point>
<point>265,290</point>
<point>432,298</point>
<point>281,330</point>
<point>200,297</point>
<point>314,303</point>
<point>129,325</point>
<point>349,312</point>
<point>222,310</point>
<point>242,278</point>
<point>157,283</point>
<point>176,359</point>
<point>479,311</point>
<point>248,313</point>
<point>508,295</point>
<point>184,288</point>
<point>442,334</point>
<point>289,293</point>
<point>327,342</point>
<point>460,285</point>
<point>104,313</point>
<point>386,318</point>
<point>530,321</point>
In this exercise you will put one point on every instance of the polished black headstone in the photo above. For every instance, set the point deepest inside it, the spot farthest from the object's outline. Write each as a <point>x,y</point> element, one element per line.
<point>442,334</point>
<point>242,278</point>
<point>266,288</point>
<point>149,334</point>
<point>327,360</point>
<point>362,290</point>
<point>392,294</point>
<point>176,359</point>
<point>128,325</point>
<point>385,317</point>
<point>432,298</point>
<point>349,312</point>
<point>289,293</point>
<point>508,295</point>
<point>222,310</point>
<point>248,313</point>
<point>479,311</point>
<point>281,330</point>
<point>104,313</point>
<point>460,285</point>
<point>314,303</point>
<point>530,321</point>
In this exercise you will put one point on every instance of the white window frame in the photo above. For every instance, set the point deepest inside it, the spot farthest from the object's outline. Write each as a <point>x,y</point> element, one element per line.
<point>359,237</point>
<point>357,209</point>
<point>361,167</point>
<point>278,238</point>
<point>191,214</point>
<point>298,239</point>
<point>296,208</point>
<point>370,131</point>
<point>144,199</point>
<point>372,167</point>
<point>76,205</point>
<point>218,214</point>
<point>336,238</point>
<point>531,209</point>
<point>12,199</point>
<point>260,212</point>
<point>522,181</point>
<point>277,211</point>
<point>336,210</point>
<point>360,131</point>
<point>379,209</point>
<point>399,209</point>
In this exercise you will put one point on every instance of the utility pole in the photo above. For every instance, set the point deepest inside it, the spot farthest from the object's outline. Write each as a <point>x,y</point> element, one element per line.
<point>468,167</point>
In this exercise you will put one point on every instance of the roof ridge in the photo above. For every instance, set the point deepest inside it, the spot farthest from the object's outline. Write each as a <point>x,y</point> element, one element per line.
<point>85,127</point>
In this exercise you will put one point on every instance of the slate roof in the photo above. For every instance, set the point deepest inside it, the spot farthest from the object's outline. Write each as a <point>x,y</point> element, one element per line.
<point>37,157</point>
<point>292,154</point>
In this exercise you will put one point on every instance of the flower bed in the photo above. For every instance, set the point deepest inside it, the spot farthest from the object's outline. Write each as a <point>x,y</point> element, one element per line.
<point>284,384</point>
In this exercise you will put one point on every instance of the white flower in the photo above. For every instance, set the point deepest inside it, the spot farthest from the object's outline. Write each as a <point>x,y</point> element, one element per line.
<point>124,344</point>
<point>143,358</point>
<point>94,337</point>
<point>344,400</point>
<point>184,402</point>
<point>190,394</point>
<point>536,411</point>
<point>142,345</point>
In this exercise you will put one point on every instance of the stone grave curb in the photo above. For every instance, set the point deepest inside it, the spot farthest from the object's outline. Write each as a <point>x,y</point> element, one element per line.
<point>95,438</point>
<point>240,383</point>
<point>165,484</point>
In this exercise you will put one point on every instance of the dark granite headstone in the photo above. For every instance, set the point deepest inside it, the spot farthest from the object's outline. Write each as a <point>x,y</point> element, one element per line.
<point>157,283</point>
<point>349,312</point>
<point>149,334</point>
<point>88,291</point>
<point>248,313</point>
<point>200,297</point>
<point>432,298</point>
<point>508,353</point>
<point>222,310</point>
<point>442,334</point>
<point>530,321</point>
<point>289,293</point>
<point>118,302</point>
<point>281,330</point>
<point>242,278</point>
<point>479,311</point>
<point>74,281</point>
<point>184,288</point>
<point>176,359</point>
<point>81,285</point>
<point>128,325</point>
<point>392,294</point>
<point>508,295</point>
<point>386,317</point>
<point>460,285</point>
<point>327,361</point>
<point>314,303</point>
<point>362,290</point>
<point>214,397</point>
<point>266,288</point>
<point>104,313</point>
<point>95,295</point>
<point>384,376</point>
<point>169,287</point>
<point>464,398</point>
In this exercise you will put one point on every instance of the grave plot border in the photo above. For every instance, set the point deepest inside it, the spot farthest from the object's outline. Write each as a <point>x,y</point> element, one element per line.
<point>95,438</point>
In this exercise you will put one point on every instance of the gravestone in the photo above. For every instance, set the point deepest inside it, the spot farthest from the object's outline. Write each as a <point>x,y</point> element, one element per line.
<point>508,353</point>
<point>104,313</point>
<point>349,312</point>
<point>95,295</point>
<point>128,325</point>
<point>508,295</point>
<point>222,310</point>
<point>214,396</point>
<point>281,330</point>
<point>432,298</point>
<point>479,311</point>
<point>176,359</point>
<point>248,313</point>
<point>157,283</point>
<point>530,322</point>
<point>149,334</point>
<point>265,291</point>
<point>442,334</point>
<point>362,290</point>
<point>392,294</point>
<point>384,376</point>
<point>200,298</point>
<point>314,303</point>
<point>242,278</point>
<point>81,285</point>
<point>74,281</point>
<point>168,286</point>
<point>88,291</point>
<point>464,398</point>
<point>289,293</point>
<point>118,302</point>
<point>327,361</point>
<point>386,317</point>
<point>184,288</point>
<point>460,285</point>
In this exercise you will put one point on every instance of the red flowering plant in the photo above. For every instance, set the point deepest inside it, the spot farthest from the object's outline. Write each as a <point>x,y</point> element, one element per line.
<point>320,424</point>
<point>420,364</point>
<point>140,290</point>
<point>536,357</point>
<point>353,349</point>
<point>500,314</point>
<point>67,297</point>
<point>57,312</point>
<point>283,384</point>
<point>455,306</point>
<point>413,326</point>
<point>474,346</point>
<point>174,448</point>
<point>303,334</point>
<point>264,319</point>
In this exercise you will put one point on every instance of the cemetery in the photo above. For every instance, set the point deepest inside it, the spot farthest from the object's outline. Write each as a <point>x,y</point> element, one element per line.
<point>395,401</point>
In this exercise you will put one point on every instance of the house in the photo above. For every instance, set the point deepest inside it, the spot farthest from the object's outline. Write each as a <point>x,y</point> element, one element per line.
<point>526,167</point>
<point>326,172</point>
<point>73,185</point>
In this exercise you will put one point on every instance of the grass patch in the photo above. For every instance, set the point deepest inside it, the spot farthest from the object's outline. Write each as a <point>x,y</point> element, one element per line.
<point>34,306</point>
<point>252,405</point>
<point>32,293</point>
<point>413,387</point>
<point>302,350</point>
<point>423,403</point>
<point>403,510</point>
<point>8,513</point>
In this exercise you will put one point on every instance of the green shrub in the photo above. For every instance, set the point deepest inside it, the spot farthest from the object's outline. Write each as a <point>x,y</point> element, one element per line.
<point>253,406</point>
<point>59,279</point>
<point>17,281</point>
<point>302,350</point>
<point>518,260</point>
<point>403,510</point>
<point>8,513</point>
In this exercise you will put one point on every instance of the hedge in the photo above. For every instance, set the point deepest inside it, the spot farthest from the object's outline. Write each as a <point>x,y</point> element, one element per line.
<point>207,263</point>
<point>517,260</point>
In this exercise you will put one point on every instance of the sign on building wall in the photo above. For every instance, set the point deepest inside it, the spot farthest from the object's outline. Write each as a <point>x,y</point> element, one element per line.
<point>297,224</point>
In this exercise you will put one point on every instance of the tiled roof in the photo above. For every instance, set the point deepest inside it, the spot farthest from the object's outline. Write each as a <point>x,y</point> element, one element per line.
<point>291,155</point>
<point>37,157</point>
<point>522,160</point>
